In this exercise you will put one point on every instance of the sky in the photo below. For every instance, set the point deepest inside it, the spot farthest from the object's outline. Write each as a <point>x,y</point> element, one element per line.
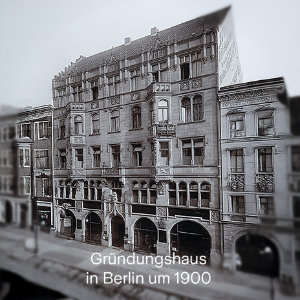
<point>39,38</point>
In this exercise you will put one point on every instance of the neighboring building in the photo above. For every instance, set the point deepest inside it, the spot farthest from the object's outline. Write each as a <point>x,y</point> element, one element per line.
<point>258,213</point>
<point>136,154</point>
<point>26,158</point>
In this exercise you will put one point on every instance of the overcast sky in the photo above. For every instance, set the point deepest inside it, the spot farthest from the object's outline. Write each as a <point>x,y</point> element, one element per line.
<point>38,38</point>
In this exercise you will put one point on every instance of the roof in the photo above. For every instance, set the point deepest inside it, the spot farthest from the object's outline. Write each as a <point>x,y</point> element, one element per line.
<point>180,32</point>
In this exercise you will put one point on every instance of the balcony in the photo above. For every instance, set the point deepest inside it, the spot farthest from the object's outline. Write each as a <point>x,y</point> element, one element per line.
<point>265,183</point>
<point>162,130</point>
<point>237,182</point>
<point>160,88</point>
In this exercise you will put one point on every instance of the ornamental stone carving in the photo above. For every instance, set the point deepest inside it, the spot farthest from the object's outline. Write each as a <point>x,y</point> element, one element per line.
<point>162,223</point>
<point>161,211</point>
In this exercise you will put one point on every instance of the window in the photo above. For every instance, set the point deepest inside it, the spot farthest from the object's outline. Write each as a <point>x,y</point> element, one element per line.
<point>25,185</point>
<point>194,194</point>
<point>295,158</point>
<point>47,187</point>
<point>86,190</point>
<point>266,206</point>
<point>99,190</point>
<point>78,125</point>
<point>62,159</point>
<point>24,157</point>
<point>96,157</point>
<point>186,110</point>
<point>135,192</point>
<point>95,92</point>
<point>197,108</point>
<point>95,124</point>
<point>43,128</point>
<point>296,208</point>
<point>77,93</point>
<point>159,72</point>
<point>265,160</point>
<point>163,111</point>
<point>182,194</point>
<point>143,192</point>
<point>25,130</point>
<point>205,194</point>
<point>265,123</point>
<point>136,117</point>
<point>41,159</point>
<point>113,85</point>
<point>92,190</point>
<point>115,121</point>
<point>61,189</point>
<point>117,188</point>
<point>135,79</point>
<point>164,153</point>
<point>78,158</point>
<point>115,152</point>
<point>236,161</point>
<point>238,204</point>
<point>192,151</point>
<point>236,125</point>
<point>137,155</point>
<point>153,192</point>
<point>172,193</point>
<point>62,129</point>
<point>12,132</point>
<point>185,71</point>
<point>74,189</point>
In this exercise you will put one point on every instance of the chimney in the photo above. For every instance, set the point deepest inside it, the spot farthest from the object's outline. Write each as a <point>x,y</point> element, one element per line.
<point>127,41</point>
<point>154,31</point>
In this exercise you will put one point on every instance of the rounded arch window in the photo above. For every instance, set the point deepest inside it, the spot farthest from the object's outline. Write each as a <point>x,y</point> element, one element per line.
<point>186,109</point>
<point>205,194</point>
<point>78,125</point>
<point>153,192</point>
<point>95,123</point>
<point>144,192</point>
<point>197,108</point>
<point>194,194</point>
<point>163,111</point>
<point>182,194</point>
<point>135,191</point>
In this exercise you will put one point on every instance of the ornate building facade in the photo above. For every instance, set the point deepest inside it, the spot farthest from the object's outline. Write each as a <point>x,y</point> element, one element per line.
<point>136,158</point>
<point>26,167</point>
<point>258,156</point>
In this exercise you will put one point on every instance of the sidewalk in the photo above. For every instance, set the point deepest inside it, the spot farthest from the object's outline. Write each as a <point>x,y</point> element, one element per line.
<point>224,284</point>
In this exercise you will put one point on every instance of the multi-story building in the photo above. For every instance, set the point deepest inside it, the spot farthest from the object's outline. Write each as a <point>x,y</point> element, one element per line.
<point>136,159</point>
<point>257,211</point>
<point>26,154</point>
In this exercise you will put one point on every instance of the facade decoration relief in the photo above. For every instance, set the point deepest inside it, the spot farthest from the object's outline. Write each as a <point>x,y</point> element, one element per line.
<point>161,211</point>
<point>162,223</point>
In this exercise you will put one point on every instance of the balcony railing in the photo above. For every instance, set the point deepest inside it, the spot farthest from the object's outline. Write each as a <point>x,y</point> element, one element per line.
<point>265,183</point>
<point>237,182</point>
<point>159,87</point>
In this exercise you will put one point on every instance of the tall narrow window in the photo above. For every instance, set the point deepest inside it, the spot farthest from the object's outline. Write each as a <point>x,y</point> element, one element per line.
<point>186,109</point>
<point>135,192</point>
<point>95,124</point>
<point>95,92</point>
<point>137,155</point>
<point>236,161</point>
<point>115,152</point>
<point>43,130</point>
<point>172,193</point>
<point>143,192</point>
<point>236,125</point>
<point>78,125</point>
<point>117,188</point>
<point>79,158</point>
<point>25,130</point>
<point>163,111</point>
<point>205,194</point>
<point>136,117</point>
<point>62,159</point>
<point>153,193</point>
<point>164,153</point>
<point>197,108</point>
<point>194,194</point>
<point>265,122</point>
<point>295,158</point>
<point>47,187</point>
<point>265,160</point>
<point>115,121</point>
<point>182,194</point>
<point>185,71</point>
<point>96,157</point>
<point>296,209</point>
<point>62,129</point>
<point>99,190</point>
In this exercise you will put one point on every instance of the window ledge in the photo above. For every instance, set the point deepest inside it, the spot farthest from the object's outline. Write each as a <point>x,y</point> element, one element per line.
<point>92,134</point>
<point>114,131</point>
<point>134,129</point>
<point>191,122</point>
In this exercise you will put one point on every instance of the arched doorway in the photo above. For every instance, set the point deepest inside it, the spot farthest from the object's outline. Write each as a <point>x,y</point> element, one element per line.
<point>8,212</point>
<point>145,236</point>
<point>24,209</point>
<point>93,229</point>
<point>117,231</point>
<point>67,223</point>
<point>190,238</point>
<point>257,255</point>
